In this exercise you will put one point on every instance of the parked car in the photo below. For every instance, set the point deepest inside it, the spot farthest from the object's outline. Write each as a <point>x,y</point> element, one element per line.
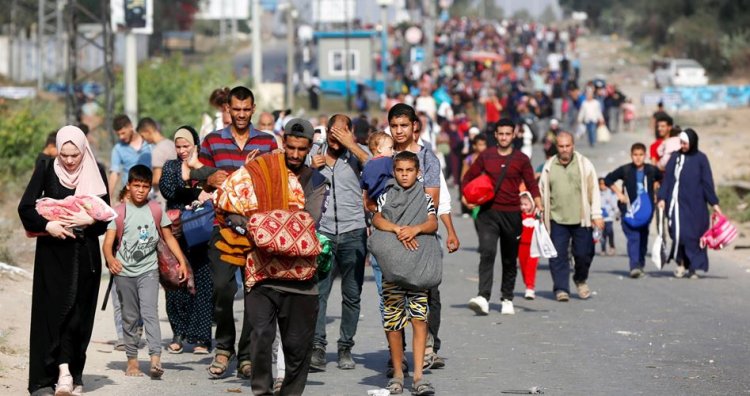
<point>679,72</point>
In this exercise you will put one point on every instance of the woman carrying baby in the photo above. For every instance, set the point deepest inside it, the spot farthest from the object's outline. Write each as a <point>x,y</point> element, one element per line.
<point>67,266</point>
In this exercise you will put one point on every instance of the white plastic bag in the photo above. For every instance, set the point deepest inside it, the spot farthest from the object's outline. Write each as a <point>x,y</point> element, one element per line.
<point>658,248</point>
<point>541,243</point>
<point>602,133</point>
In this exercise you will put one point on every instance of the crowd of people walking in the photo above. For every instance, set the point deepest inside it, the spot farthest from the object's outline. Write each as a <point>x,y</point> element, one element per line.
<point>339,197</point>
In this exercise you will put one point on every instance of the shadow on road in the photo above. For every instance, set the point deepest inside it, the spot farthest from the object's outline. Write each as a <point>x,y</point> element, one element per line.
<point>94,382</point>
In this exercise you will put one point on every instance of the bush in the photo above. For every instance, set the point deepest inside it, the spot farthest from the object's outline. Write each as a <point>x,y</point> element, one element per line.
<point>734,206</point>
<point>176,94</point>
<point>24,127</point>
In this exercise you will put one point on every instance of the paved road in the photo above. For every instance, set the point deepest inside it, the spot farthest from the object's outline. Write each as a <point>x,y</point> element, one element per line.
<point>657,335</point>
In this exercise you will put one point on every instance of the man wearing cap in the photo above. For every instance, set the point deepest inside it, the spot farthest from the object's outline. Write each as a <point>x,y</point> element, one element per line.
<point>293,304</point>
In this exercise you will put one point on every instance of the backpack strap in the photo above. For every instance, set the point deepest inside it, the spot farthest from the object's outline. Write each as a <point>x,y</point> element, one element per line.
<point>504,171</point>
<point>119,223</point>
<point>156,213</point>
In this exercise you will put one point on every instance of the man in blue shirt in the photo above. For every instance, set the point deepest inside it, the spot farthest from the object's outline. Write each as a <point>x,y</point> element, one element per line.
<point>130,150</point>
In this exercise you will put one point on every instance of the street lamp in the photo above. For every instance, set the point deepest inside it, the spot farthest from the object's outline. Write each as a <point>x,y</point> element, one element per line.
<point>384,4</point>
<point>291,16</point>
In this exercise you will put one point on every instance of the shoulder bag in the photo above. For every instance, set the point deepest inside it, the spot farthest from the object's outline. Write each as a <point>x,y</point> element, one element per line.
<point>481,190</point>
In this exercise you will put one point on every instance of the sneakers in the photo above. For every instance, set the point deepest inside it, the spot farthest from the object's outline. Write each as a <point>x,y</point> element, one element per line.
<point>583,290</point>
<point>479,305</point>
<point>636,273</point>
<point>318,359</point>
<point>679,271</point>
<point>529,295</point>
<point>693,275</point>
<point>345,359</point>
<point>562,296</point>
<point>611,252</point>
<point>507,308</point>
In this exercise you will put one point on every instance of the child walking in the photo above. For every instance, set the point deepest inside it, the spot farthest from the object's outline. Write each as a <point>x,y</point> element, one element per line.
<point>478,144</point>
<point>527,263</point>
<point>135,267</point>
<point>403,304</point>
<point>609,214</point>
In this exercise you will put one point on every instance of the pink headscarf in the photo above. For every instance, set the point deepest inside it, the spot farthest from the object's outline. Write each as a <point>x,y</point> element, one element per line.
<point>86,179</point>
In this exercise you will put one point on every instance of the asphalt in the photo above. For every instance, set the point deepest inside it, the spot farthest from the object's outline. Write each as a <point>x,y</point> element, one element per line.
<point>654,336</point>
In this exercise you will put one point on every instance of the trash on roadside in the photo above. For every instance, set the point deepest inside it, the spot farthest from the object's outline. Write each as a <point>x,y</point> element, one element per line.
<point>378,392</point>
<point>534,390</point>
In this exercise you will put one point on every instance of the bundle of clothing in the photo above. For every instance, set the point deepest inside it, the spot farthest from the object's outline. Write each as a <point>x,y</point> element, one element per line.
<point>263,226</point>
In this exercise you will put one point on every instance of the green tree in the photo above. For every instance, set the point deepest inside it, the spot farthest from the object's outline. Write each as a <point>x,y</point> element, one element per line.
<point>174,93</point>
<point>24,126</point>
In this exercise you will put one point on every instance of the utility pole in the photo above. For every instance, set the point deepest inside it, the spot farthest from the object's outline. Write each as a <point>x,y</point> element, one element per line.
<point>257,51</point>
<point>50,44</point>
<point>429,33</point>
<point>40,46</point>
<point>67,12</point>
<point>71,64</point>
<point>346,55</point>
<point>12,40</point>
<point>130,71</point>
<point>290,16</point>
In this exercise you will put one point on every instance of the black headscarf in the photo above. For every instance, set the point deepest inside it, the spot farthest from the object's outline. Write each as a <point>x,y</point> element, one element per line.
<point>692,141</point>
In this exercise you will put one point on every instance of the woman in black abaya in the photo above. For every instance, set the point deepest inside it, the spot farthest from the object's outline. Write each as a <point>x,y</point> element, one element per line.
<point>67,267</point>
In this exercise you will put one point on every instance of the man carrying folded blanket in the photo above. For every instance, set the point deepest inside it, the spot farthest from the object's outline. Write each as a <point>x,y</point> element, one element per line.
<point>281,285</point>
<point>226,150</point>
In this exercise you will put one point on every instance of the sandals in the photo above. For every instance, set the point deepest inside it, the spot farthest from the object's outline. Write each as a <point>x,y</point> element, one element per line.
<point>156,371</point>
<point>396,385</point>
<point>245,369</point>
<point>422,388</point>
<point>64,385</point>
<point>277,385</point>
<point>221,366</point>
<point>176,346</point>
<point>200,349</point>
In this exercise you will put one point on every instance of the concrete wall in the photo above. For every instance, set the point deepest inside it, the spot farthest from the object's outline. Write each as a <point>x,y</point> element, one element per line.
<point>23,60</point>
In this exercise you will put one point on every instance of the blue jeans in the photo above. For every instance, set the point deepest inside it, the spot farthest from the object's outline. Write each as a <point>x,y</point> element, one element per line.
<point>583,253</point>
<point>349,251</point>
<point>637,244</point>
<point>608,236</point>
<point>591,132</point>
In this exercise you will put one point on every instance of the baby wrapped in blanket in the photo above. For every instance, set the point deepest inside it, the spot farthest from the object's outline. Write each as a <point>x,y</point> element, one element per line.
<point>52,209</point>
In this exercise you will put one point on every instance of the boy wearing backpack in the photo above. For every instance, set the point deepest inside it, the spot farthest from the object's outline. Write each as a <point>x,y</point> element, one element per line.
<point>134,265</point>
<point>637,207</point>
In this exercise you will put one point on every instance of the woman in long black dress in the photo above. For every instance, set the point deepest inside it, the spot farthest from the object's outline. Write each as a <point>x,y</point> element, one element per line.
<point>67,266</point>
<point>189,315</point>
